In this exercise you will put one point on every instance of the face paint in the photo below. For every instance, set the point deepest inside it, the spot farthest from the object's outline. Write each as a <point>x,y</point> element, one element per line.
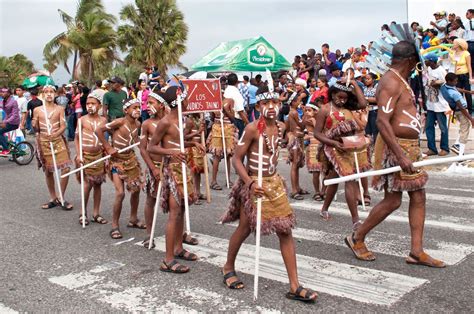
<point>136,114</point>
<point>91,109</point>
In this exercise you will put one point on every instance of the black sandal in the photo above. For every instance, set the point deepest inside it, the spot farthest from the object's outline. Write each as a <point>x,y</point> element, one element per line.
<point>115,233</point>
<point>146,244</point>
<point>168,268</point>
<point>50,204</point>
<point>237,284</point>
<point>299,297</point>
<point>67,206</point>
<point>136,224</point>
<point>186,256</point>
<point>81,218</point>
<point>297,196</point>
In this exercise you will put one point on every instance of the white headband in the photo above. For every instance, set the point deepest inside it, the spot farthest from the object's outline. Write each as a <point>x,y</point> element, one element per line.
<point>130,103</point>
<point>158,97</point>
<point>312,106</point>
<point>49,86</point>
<point>267,96</point>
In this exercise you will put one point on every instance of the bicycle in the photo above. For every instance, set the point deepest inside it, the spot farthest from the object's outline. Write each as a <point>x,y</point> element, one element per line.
<point>21,153</point>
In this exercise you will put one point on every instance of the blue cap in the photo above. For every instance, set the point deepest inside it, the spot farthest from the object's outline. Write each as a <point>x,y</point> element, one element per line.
<point>431,57</point>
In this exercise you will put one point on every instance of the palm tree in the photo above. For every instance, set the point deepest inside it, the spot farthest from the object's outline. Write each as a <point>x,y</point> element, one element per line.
<point>155,33</point>
<point>14,69</point>
<point>89,36</point>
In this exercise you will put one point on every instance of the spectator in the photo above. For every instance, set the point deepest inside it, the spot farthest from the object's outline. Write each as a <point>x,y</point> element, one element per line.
<point>142,95</point>
<point>302,70</point>
<point>32,104</point>
<point>329,58</point>
<point>153,77</point>
<point>83,99</point>
<point>61,99</point>
<point>469,34</point>
<point>258,79</point>
<point>336,74</point>
<point>436,106</point>
<point>282,81</point>
<point>22,106</point>
<point>369,89</point>
<point>321,91</point>
<point>143,77</point>
<point>458,104</point>
<point>244,90</point>
<point>232,92</point>
<point>113,100</point>
<point>463,69</point>
<point>252,112</point>
<point>339,55</point>
<point>311,63</point>
<point>433,39</point>
<point>451,18</point>
<point>12,117</point>
<point>456,30</point>
<point>353,62</point>
<point>440,24</point>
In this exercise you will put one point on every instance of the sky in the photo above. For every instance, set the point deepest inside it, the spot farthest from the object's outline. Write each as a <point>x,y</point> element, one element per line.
<point>291,26</point>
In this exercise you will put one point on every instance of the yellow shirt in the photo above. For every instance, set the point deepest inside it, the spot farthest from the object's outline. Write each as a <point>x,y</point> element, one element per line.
<point>461,63</point>
<point>435,41</point>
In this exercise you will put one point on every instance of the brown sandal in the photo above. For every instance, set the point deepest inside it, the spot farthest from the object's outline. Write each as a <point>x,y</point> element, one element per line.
<point>186,256</point>
<point>366,255</point>
<point>424,260</point>
<point>173,267</point>
<point>188,239</point>
<point>234,285</point>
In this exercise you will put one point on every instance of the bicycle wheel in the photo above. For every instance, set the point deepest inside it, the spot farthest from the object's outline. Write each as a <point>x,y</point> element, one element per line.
<point>23,153</point>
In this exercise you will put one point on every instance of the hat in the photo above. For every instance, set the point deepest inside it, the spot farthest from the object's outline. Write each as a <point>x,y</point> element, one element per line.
<point>322,72</point>
<point>441,13</point>
<point>105,83</point>
<point>357,74</point>
<point>116,79</point>
<point>431,57</point>
<point>333,67</point>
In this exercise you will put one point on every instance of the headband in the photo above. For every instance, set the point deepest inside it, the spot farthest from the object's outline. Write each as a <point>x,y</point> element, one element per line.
<point>95,96</point>
<point>267,96</point>
<point>130,103</point>
<point>158,97</point>
<point>49,86</point>
<point>312,106</point>
<point>343,87</point>
<point>179,97</point>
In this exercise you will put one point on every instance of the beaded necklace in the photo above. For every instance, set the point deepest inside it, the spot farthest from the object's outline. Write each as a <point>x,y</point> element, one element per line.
<point>267,140</point>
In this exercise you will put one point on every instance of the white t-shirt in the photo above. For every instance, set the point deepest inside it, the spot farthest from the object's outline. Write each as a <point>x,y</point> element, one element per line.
<point>22,104</point>
<point>442,23</point>
<point>233,93</point>
<point>348,64</point>
<point>143,76</point>
<point>434,100</point>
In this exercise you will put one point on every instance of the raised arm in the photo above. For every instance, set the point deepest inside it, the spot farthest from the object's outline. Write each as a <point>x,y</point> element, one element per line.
<point>362,102</point>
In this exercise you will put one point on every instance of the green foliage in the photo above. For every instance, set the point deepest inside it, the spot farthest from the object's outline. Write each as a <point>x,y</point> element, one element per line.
<point>14,69</point>
<point>154,34</point>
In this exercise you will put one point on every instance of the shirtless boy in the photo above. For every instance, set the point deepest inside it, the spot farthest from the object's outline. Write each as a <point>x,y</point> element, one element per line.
<point>51,116</point>
<point>92,150</point>
<point>296,145</point>
<point>397,144</point>
<point>193,130</point>
<point>165,142</point>
<point>277,215</point>
<point>125,168</point>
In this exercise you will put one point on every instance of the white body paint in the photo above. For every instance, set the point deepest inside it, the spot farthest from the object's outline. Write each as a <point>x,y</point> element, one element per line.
<point>387,108</point>
<point>414,123</point>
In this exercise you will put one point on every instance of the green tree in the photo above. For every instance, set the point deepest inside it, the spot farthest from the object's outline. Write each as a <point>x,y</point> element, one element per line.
<point>14,69</point>
<point>154,34</point>
<point>89,37</point>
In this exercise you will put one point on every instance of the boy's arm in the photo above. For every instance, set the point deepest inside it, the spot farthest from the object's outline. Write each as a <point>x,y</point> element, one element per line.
<point>465,91</point>
<point>143,148</point>
<point>76,142</point>
<point>62,124</point>
<point>241,150</point>
<point>35,120</point>
<point>117,123</point>
<point>188,133</point>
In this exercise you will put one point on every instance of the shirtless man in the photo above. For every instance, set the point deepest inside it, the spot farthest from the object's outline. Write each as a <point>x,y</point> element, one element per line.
<point>296,145</point>
<point>125,168</point>
<point>92,150</point>
<point>165,142</point>
<point>214,141</point>
<point>277,215</point>
<point>193,130</point>
<point>397,144</point>
<point>51,116</point>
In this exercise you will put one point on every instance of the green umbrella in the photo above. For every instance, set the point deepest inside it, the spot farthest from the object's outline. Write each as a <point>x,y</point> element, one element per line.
<point>40,80</point>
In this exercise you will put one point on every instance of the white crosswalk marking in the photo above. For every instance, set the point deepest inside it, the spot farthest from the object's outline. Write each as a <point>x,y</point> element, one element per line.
<point>390,244</point>
<point>339,279</point>
<point>445,222</point>
<point>6,310</point>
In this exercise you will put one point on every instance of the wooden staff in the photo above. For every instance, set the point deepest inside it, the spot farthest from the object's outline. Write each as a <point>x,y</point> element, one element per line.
<point>225,150</point>
<point>99,160</point>
<point>83,199</point>
<point>49,127</point>
<point>206,169</point>
<point>259,217</point>
<point>183,165</point>
<point>155,208</point>
<point>361,188</point>
<point>380,172</point>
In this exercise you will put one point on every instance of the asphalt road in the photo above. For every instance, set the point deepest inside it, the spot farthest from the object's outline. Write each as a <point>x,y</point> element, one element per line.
<point>49,263</point>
